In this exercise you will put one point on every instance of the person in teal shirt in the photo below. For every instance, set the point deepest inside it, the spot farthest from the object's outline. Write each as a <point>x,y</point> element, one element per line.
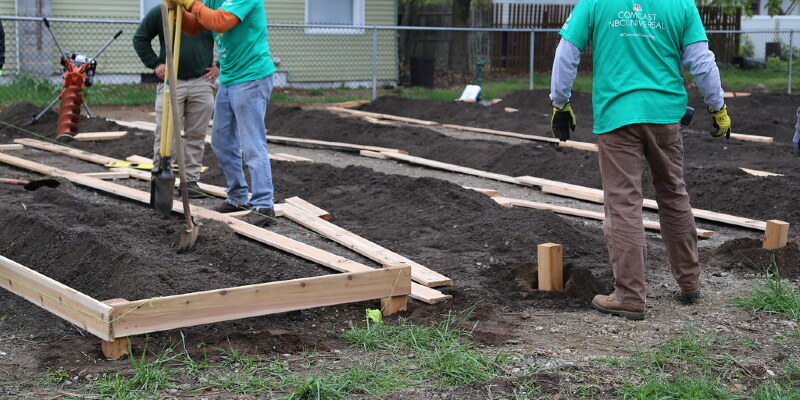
<point>638,99</point>
<point>246,68</point>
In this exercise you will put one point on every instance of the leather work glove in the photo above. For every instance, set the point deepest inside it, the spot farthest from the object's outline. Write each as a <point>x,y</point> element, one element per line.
<point>722,123</point>
<point>562,121</point>
<point>796,142</point>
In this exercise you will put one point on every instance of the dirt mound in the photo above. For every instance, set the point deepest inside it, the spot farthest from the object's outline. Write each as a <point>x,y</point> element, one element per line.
<point>746,255</point>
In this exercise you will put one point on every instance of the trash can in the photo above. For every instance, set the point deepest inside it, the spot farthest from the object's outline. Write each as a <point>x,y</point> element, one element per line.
<point>422,71</point>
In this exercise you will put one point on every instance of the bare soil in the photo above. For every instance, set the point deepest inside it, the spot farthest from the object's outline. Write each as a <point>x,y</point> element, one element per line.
<point>109,247</point>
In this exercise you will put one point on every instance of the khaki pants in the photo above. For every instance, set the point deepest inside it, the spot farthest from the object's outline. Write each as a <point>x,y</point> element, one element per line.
<point>621,167</point>
<point>195,106</point>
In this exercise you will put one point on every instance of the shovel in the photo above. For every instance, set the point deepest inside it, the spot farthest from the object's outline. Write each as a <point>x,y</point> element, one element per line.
<point>166,176</point>
<point>32,185</point>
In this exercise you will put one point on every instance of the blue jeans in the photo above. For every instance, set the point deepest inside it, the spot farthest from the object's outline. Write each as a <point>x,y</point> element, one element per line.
<point>239,132</point>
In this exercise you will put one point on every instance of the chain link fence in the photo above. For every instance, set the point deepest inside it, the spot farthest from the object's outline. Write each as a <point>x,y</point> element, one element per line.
<point>324,63</point>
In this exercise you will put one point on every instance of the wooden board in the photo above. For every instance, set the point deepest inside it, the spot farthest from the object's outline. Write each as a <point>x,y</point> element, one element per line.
<point>59,299</point>
<point>308,207</point>
<point>579,145</point>
<point>171,312</point>
<point>759,173</point>
<point>85,136</point>
<point>510,109</point>
<point>334,145</point>
<point>57,148</point>
<point>289,157</point>
<point>139,159</point>
<point>9,147</point>
<point>108,175</point>
<point>133,173</point>
<point>373,154</point>
<point>450,167</point>
<point>359,113</point>
<point>141,125</point>
<point>577,212</point>
<point>264,236</point>
<point>488,192</point>
<point>752,138</point>
<point>502,133</point>
<point>419,273</point>
<point>350,104</point>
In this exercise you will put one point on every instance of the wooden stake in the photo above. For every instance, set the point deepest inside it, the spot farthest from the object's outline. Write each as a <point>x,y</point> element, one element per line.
<point>777,234</point>
<point>551,265</point>
<point>115,349</point>
<point>391,305</point>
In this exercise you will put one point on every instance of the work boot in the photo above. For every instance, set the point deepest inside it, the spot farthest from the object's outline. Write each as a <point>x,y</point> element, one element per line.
<point>690,294</point>
<point>611,305</point>
<point>261,217</point>
<point>194,191</point>
<point>228,207</point>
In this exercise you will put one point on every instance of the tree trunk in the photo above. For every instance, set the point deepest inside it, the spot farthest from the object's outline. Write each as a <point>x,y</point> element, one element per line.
<point>458,55</point>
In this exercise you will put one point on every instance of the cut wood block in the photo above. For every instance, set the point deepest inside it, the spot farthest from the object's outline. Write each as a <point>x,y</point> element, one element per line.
<point>108,175</point>
<point>289,157</point>
<point>139,159</point>
<point>86,136</point>
<point>269,238</point>
<point>752,138</point>
<point>450,167</point>
<point>577,212</point>
<point>510,110</point>
<point>759,173</point>
<point>308,207</point>
<point>373,154</point>
<point>326,144</point>
<point>550,266</point>
<point>502,133</point>
<point>488,192</point>
<point>115,349</point>
<point>578,145</point>
<point>9,147</point>
<point>419,273</point>
<point>776,235</point>
<point>350,104</point>
<point>359,113</point>
<point>77,308</point>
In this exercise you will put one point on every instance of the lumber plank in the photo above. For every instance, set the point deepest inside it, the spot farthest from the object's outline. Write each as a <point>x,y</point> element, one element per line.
<point>510,109</point>
<point>375,252</point>
<point>334,145</point>
<point>141,125</point>
<point>134,173</point>
<point>57,148</point>
<point>57,298</point>
<point>261,235</point>
<point>577,212</point>
<point>488,192</point>
<point>9,147</point>
<point>776,235</point>
<point>178,311</point>
<point>759,173</point>
<point>86,136</point>
<point>359,113</point>
<point>135,158</point>
<point>108,175</point>
<point>308,207</point>
<point>752,138</point>
<point>579,145</point>
<point>501,133</point>
<point>550,266</point>
<point>290,157</point>
<point>373,154</point>
<point>450,167</point>
<point>350,104</point>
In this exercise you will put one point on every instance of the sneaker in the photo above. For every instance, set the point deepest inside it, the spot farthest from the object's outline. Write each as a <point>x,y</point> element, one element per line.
<point>610,305</point>
<point>228,207</point>
<point>691,293</point>
<point>194,191</point>
<point>261,217</point>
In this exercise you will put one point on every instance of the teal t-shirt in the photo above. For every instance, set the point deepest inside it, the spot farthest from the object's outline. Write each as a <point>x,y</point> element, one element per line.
<point>636,49</point>
<point>243,50</point>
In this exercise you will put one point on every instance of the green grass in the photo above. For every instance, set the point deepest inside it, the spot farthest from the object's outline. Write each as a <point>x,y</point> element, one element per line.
<point>773,296</point>
<point>659,387</point>
<point>148,377</point>
<point>41,92</point>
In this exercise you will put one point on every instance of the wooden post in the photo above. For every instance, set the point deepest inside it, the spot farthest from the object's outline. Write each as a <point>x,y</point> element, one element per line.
<point>116,349</point>
<point>393,304</point>
<point>776,235</point>
<point>551,265</point>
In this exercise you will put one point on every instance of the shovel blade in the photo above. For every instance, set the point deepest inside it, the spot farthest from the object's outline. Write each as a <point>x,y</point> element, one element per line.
<point>188,239</point>
<point>162,191</point>
<point>33,185</point>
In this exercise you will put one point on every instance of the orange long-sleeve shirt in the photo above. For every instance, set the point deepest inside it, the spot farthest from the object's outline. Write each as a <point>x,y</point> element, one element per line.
<point>200,18</point>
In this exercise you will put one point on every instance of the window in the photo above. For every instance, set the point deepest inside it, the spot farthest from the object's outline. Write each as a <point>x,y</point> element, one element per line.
<point>335,12</point>
<point>146,5</point>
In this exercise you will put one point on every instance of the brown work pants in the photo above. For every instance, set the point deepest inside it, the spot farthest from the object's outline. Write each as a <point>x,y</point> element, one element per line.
<point>621,167</point>
<point>195,107</point>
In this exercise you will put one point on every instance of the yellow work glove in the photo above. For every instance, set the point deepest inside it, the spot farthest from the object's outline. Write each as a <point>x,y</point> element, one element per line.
<point>722,123</point>
<point>562,121</point>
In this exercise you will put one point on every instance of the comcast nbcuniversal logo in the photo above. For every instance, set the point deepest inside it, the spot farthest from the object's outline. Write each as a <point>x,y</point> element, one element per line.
<point>637,7</point>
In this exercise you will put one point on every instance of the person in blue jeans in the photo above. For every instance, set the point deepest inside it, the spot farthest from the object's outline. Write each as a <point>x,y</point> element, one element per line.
<point>246,68</point>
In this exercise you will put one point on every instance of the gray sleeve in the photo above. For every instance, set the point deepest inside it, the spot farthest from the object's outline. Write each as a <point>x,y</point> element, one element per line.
<point>797,125</point>
<point>699,60</point>
<point>565,69</point>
